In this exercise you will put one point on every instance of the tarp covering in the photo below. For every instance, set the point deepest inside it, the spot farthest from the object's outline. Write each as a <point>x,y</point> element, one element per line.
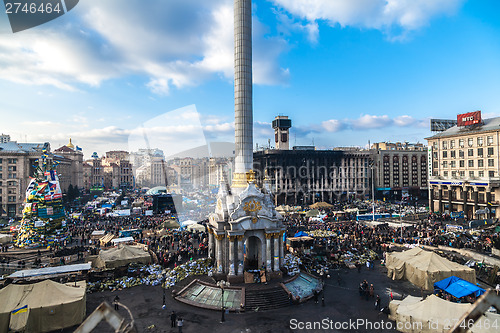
<point>424,268</point>
<point>434,314</point>
<point>4,238</point>
<point>41,307</point>
<point>121,256</point>
<point>300,234</point>
<point>459,288</point>
<point>127,239</point>
<point>106,239</point>
<point>50,270</point>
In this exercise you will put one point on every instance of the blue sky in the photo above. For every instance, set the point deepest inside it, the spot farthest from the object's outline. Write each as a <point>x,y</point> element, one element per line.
<point>345,71</point>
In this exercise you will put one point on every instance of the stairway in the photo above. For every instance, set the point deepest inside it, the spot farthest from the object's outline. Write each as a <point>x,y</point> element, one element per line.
<point>265,299</point>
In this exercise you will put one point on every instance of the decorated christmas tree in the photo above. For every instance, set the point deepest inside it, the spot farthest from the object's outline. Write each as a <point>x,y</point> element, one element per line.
<point>43,212</point>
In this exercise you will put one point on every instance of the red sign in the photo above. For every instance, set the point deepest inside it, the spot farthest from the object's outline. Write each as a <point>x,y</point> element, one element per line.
<point>467,119</point>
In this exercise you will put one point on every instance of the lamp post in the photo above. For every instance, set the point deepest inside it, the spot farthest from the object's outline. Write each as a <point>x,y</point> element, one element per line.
<point>164,286</point>
<point>222,284</point>
<point>401,219</point>
<point>372,165</point>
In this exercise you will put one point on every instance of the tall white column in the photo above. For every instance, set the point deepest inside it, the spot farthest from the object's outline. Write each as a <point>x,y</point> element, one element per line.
<point>243,120</point>
<point>231,240</point>
<point>220,257</point>
<point>240,254</point>
<point>276,254</point>
<point>211,244</point>
<point>268,252</point>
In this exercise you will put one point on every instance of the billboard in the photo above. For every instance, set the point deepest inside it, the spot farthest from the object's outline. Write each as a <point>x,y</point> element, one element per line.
<point>467,119</point>
<point>441,125</point>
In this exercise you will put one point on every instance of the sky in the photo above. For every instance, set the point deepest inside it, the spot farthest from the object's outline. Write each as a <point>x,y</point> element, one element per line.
<point>120,74</point>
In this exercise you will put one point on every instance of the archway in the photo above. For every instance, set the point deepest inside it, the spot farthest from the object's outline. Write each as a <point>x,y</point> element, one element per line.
<point>253,255</point>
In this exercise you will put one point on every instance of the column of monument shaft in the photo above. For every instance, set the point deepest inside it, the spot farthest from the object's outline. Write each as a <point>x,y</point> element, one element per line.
<point>243,121</point>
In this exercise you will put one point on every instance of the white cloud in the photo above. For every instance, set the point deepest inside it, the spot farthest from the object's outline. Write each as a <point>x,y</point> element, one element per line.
<point>371,121</point>
<point>333,125</point>
<point>373,14</point>
<point>170,43</point>
<point>404,120</point>
<point>289,24</point>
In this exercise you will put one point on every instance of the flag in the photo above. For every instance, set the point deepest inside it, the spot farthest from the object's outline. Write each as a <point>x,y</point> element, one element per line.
<point>78,148</point>
<point>20,310</point>
<point>489,203</point>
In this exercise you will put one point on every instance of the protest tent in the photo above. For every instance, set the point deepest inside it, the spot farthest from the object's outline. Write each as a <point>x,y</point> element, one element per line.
<point>41,307</point>
<point>195,228</point>
<point>171,224</point>
<point>434,314</point>
<point>394,304</point>
<point>312,213</point>
<point>424,268</point>
<point>320,205</point>
<point>458,287</point>
<point>187,222</point>
<point>121,256</point>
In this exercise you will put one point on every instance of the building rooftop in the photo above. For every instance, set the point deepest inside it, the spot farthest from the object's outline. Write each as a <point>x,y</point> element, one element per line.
<point>65,149</point>
<point>491,124</point>
<point>15,147</point>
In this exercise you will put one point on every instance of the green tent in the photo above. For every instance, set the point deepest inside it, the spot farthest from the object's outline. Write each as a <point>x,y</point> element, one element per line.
<point>171,224</point>
<point>312,213</point>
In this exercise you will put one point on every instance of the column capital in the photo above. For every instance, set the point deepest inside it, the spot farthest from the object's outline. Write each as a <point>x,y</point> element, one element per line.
<point>240,237</point>
<point>232,238</point>
<point>219,236</point>
<point>270,235</point>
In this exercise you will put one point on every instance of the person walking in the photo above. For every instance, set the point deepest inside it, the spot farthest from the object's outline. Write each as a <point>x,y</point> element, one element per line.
<point>173,319</point>
<point>115,302</point>
<point>180,324</point>
<point>377,303</point>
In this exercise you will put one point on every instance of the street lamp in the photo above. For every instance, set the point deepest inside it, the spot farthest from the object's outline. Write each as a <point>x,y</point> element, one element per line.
<point>222,284</point>
<point>164,286</point>
<point>372,165</point>
<point>401,219</point>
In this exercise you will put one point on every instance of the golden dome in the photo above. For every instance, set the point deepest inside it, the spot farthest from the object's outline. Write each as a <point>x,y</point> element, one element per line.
<point>70,145</point>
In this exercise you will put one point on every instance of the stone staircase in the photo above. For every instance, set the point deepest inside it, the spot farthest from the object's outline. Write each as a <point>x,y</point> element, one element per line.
<point>262,299</point>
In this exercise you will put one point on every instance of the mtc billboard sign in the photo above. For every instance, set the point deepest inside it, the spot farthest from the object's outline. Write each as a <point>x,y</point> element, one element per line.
<point>467,119</point>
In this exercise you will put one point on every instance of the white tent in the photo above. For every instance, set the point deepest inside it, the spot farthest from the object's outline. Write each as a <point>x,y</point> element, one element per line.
<point>434,314</point>
<point>196,227</point>
<point>424,268</point>
<point>187,222</point>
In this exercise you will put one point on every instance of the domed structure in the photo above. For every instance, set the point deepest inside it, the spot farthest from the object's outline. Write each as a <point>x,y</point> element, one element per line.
<point>70,145</point>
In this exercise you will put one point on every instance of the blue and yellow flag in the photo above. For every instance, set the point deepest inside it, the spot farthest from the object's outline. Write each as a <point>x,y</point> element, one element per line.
<point>20,310</point>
